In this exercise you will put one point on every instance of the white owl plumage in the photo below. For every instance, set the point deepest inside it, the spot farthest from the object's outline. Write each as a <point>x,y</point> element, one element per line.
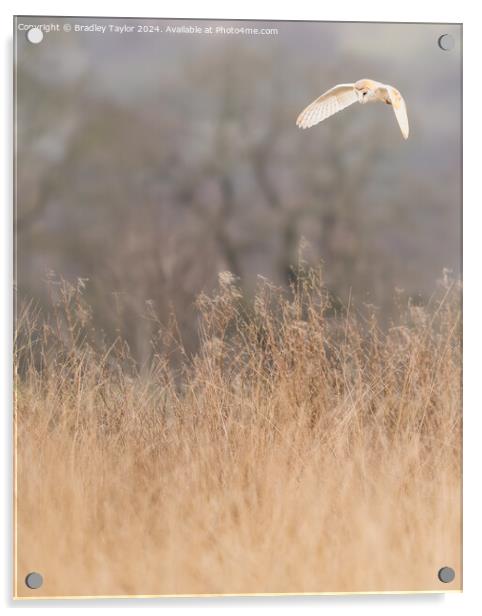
<point>345,94</point>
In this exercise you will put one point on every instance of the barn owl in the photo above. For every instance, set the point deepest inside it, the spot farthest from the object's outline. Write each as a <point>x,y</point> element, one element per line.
<point>345,94</point>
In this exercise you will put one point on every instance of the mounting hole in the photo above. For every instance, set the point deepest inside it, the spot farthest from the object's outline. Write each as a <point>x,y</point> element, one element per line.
<point>446,42</point>
<point>34,580</point>
<point>35,35</point>
<point>446,575</point>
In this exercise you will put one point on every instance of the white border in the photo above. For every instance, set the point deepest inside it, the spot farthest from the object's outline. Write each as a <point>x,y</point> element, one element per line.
<point>464,11</point>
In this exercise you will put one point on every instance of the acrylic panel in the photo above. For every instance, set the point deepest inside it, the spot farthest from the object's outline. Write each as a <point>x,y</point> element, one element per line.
<point>238,292</point>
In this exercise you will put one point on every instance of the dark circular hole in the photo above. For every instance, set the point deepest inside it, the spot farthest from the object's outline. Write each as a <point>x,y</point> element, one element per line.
<point>446,575</point>
<point>446,42</point>
<point>34,580</point>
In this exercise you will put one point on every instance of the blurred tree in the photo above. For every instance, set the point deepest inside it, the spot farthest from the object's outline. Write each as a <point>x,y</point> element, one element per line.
<point>151,200</point>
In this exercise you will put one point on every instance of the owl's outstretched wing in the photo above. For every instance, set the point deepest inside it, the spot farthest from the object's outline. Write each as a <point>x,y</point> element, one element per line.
<point>400,110</point>
<point>326,105</point>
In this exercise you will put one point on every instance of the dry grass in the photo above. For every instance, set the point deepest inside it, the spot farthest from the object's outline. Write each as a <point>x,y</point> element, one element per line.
<point>296,452</point>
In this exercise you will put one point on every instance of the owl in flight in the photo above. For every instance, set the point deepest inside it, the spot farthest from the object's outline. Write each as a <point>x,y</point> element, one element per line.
<point>345,94</point>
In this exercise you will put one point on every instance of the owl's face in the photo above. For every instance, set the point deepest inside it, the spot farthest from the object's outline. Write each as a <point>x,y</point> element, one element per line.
<point>365,90</point>
<point>364,94</point>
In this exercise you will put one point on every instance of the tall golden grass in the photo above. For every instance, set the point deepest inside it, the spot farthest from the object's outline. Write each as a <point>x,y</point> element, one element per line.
<point>298,451</point>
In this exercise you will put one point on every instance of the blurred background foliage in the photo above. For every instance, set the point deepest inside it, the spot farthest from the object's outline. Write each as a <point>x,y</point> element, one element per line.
<point>148,163</point>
